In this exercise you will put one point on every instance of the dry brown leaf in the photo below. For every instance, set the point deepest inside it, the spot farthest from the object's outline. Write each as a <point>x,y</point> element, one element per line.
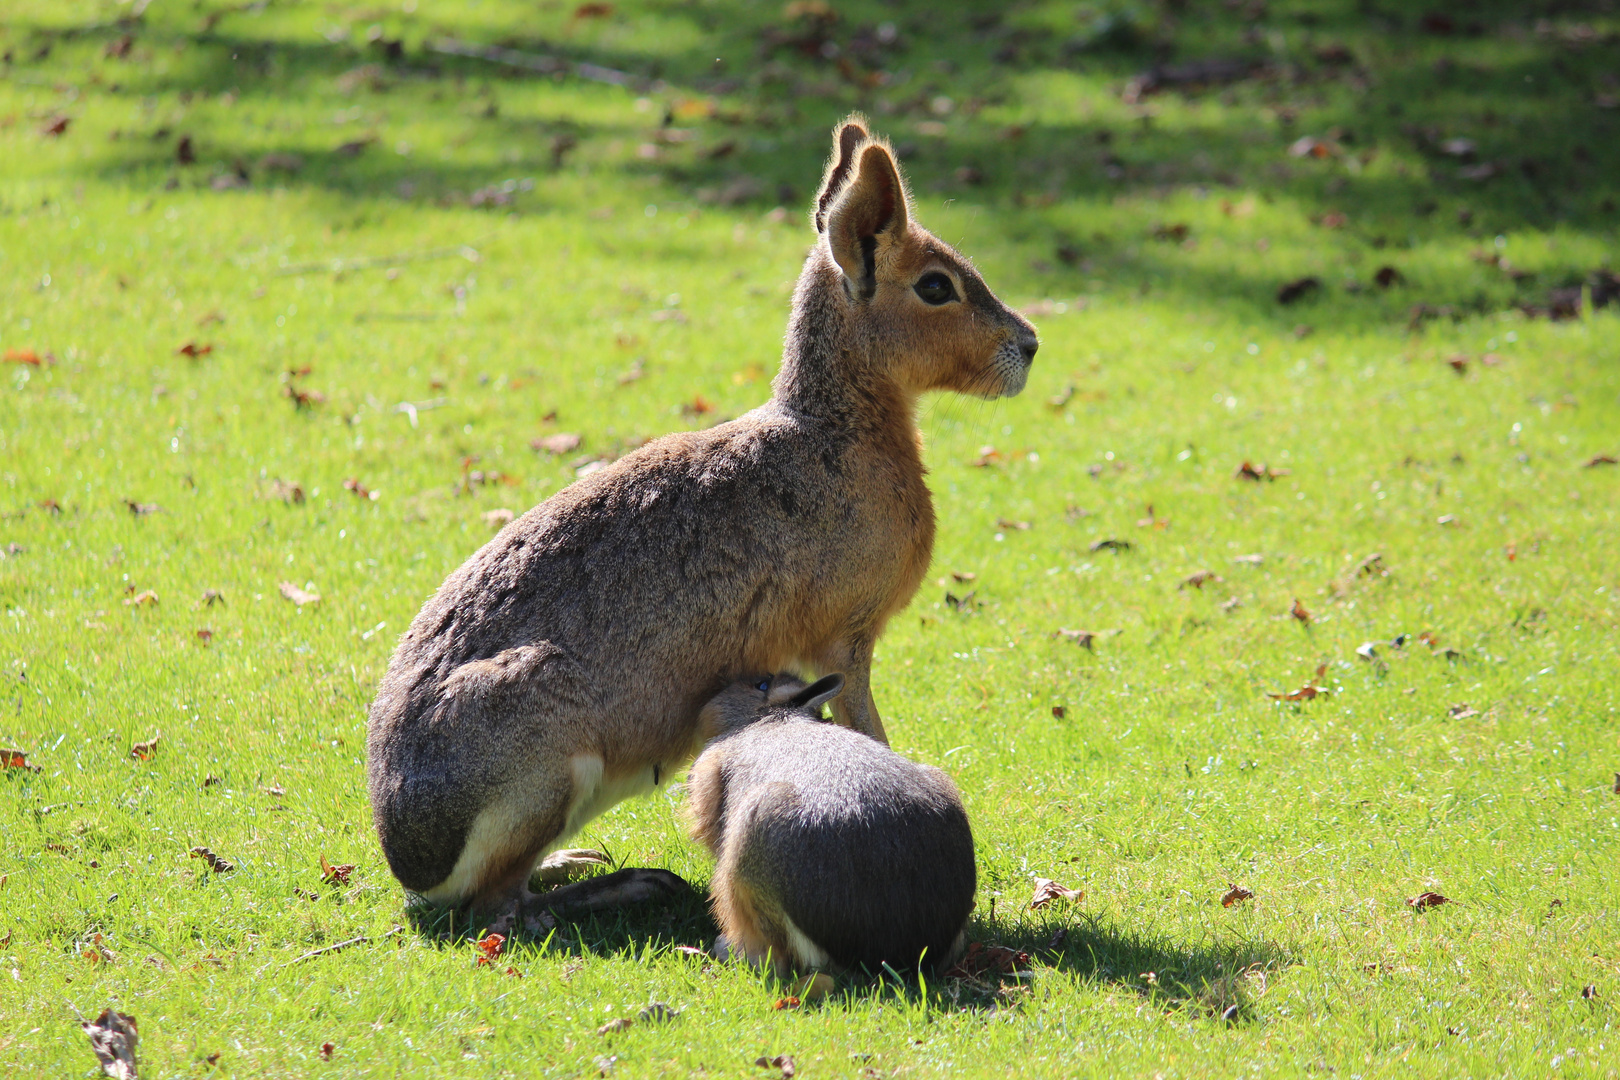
<point>564,442</point>
<point>1236,894</point>
<point>489,948</point>
<point>15,759</point>
<point>297,595</point>
<point>327,1050</point>
<point>205,635</point>
<point>1197,578</point>
<point>113,1037</point>
<point>616,1025</point>
<point>1462,711</point>
<point>1297,289</point>
<point>1047,890</point>
<point>194,350</point>
<point>141,598</point>
<point>1426,900</point>
<point>698,406</point>
<point>1298,611</point>
<point>360,490</point>
<point>1109,543</point>
<point>1601,459</point>
<point>335,875</point>
<point>1058,712</point>
<point>140,509</point>
<point>216,863</point>
<point>145,751</point>
<point>782,1062</point>
<point>1010,524</point>
<point>981,959</point>
<point>1152,522</point>
<point>22,356</point>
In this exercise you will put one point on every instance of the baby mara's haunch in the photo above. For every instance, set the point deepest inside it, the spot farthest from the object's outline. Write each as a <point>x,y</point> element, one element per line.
<point>832,851</point>
<point>562,667</point>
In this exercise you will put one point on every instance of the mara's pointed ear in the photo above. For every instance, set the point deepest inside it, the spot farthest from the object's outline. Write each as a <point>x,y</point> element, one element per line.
<point>818,693</point>
<point>846,140</point>
<point>871,208</point>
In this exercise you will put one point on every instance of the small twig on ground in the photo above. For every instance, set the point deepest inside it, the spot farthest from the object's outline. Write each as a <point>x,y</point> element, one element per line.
<point>538,62</point>
<point>340,945</point>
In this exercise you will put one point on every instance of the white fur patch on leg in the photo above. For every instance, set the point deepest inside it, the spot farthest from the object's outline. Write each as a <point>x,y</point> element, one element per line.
<point>806,953</point>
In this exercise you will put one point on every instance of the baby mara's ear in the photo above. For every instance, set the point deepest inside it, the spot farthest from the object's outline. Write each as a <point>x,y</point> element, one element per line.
<point>867,217</point>
<point>849,137</point>
<point>818,693</point>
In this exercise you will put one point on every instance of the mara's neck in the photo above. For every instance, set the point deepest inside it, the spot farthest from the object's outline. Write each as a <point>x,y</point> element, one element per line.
<point>827,369</point>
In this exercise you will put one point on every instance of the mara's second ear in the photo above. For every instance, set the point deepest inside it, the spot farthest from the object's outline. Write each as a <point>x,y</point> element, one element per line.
<point>818,693</point>
<point>872,205</point>
<point>846,140</point>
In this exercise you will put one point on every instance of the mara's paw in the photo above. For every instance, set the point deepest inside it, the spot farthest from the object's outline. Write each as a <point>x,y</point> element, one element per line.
<point>561,867</point>
<point>618,889</point>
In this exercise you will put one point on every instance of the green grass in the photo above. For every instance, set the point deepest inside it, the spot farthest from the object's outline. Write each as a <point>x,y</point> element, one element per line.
<point>1171,773</point>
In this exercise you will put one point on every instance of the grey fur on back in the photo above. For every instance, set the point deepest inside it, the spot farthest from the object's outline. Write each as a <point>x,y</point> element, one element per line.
<point>868,853</point>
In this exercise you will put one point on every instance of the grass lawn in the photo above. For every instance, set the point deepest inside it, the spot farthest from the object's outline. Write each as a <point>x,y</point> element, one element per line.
<point>398,266</point>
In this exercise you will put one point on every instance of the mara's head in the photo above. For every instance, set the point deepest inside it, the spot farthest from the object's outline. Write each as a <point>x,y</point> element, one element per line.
<point>756,697</point>
<point>922,311</point>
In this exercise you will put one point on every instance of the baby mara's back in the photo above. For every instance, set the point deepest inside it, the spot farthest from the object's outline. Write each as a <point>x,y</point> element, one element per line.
<point>833,850</point>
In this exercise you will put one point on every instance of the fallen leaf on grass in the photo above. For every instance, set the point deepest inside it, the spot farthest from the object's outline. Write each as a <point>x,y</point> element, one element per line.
<point>194,350</point>
<point>211,597</point>
<point>140,509</point>
<point>1588,992</point>
<point>1084,638</point>
<point>1446,519</point>
<point>298,596</point>
<point>692,952</point>
<point>981,959</point>
<point>1057,401</point>
<point>1297,289</point>
<point>782,1062</point>
<point>1298,611</point>
<point>1372,564</point>
<point>335,875</point>
<point>489,948</point>
<point>1387,276</point>
<point>789,1002</point>
<point>964,577</point>
<point>1307,692</point>
<point>1011,525</point>
<point>288,492</point>
<point>988,455</point>
<point>145,751</point>
<point>1312,146</point>
<point>1462,711</point>
<point>15,759</point>
<point>216,863</point>
<point>1601,459</point>
<point>1249,471</point>
<point>616,1025</point>
<point>961,603</point>
<point>56,126</point>
<point>360,490</point>
<point>113,1036</point>
<point>1197,578</point>
<point>141,598</point>
<point>1152,522</point>
<point>495,519</point>
<point>1058,712</point>
<point>205,635</point>
<point>564,442</point>
<point>1617,783</point>
<point>1426,900</point>
<point>698,406</point>
<point>327,1050</point>
<point>1236,894</point>
<point>1109,543</point>
<point>1458,363</point>
<point>1047,890</point>
<point>22,356</point>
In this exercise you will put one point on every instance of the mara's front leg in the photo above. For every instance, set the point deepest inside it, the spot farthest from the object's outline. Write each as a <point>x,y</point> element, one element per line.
<point>854,708</point>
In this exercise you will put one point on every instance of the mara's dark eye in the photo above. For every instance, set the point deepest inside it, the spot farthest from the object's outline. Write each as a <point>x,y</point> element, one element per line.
<point>764,686</point>
<point>935,288</point>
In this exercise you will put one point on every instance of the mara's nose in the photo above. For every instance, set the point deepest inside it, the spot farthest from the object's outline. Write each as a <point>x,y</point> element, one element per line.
<point>1027,344</point>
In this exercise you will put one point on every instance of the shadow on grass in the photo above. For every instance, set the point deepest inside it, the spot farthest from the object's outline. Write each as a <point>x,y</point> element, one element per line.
<point>1218,980</point>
